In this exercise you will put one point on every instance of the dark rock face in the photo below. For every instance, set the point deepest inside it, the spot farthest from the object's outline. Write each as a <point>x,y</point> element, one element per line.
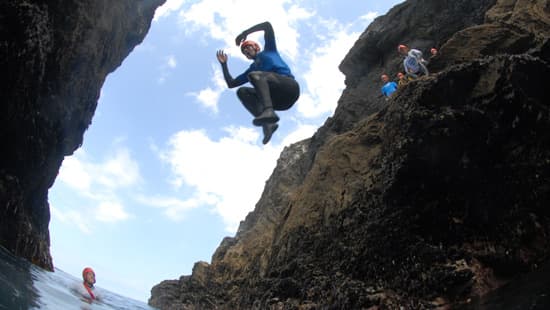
<point>431,199</point>
<point>54,56</point>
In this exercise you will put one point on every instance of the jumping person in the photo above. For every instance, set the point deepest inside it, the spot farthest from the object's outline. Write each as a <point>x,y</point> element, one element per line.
<point>274,86</point>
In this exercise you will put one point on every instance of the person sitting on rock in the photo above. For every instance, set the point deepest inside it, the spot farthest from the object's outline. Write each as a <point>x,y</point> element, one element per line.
<point>414,63</point>
<point>274,86</point>
<point>389,87</point>
<point>401,79</point>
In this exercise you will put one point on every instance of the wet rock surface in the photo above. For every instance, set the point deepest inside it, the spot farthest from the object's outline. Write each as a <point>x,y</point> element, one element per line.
<point>54,57</point>
<point>431,200</point>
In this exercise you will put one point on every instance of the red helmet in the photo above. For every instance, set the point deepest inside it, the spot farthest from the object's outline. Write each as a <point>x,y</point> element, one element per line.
<point>401,46</point>
<point>248,43</point>
<point>87,270</point>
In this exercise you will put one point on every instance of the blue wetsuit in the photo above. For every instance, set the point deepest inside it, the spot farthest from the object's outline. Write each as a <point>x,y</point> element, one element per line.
<point>389,88</point>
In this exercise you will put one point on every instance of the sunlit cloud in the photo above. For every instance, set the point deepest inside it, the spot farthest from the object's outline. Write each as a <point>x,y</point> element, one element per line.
<point>119,171</point>
<point>370,16</point>
<point>301,132</point>
<point>209,97</point>
<point>71,216</point>
<point>223,20</point>
<point>98,184</point>
<point>228,174</point>
<point>324,82</point>
<point>168,65</point>
<point>175,208</point>
<point>110,211</point>
<point>168,7</point>
<point>171,62</point>
<point>75,173</point>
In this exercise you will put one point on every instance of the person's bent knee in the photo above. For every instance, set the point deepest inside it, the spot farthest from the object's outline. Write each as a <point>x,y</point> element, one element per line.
<point>241,92</point>
<point>244,92</point>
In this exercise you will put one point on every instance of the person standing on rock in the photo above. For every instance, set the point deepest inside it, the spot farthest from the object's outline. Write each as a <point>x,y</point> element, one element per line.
<point>414,63</point>
<point>274,86</point>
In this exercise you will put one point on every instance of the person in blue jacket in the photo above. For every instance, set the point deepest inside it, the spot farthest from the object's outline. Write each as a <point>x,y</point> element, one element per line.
<point>274,86</point>
<point>389,86</point>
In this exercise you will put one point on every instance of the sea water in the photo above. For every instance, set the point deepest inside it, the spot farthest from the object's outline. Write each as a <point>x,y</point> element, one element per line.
<point>25,286</point>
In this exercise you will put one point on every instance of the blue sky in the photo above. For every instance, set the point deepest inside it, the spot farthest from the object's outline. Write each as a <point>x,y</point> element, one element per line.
<point>171,162</point>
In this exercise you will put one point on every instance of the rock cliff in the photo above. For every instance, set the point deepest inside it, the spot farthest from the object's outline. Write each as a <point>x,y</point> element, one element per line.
<point>428,200</point>
<point>54,57</point>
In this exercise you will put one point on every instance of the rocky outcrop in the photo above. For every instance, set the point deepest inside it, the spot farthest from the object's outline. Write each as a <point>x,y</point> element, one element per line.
<point>54,57</point>
<point>431,199</point>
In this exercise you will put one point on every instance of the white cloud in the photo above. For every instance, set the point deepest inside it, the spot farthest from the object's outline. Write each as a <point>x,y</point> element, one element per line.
<point>300,133</point>
<point>324,81</point>
<point>228,174</point>
<point>171,62</point>
<point>224,20</point>
<point>72,216</point>
<point>209,97</point>
<point>174,208</point>
<point>111,211</point>
<point>97,184</point>
<point>168,7</point>
<point>119,171</point>
<point>370,16</point>
<point>74,173</point>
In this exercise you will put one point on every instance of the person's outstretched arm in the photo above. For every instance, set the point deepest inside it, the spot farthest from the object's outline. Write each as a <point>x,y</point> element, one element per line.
<point>269,35</point>
<point>231,82</point>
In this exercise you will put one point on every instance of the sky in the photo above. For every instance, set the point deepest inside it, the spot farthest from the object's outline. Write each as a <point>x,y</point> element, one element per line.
<point>171,162</point>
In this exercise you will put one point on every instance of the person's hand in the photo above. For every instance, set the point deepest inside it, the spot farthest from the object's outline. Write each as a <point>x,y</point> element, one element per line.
<point>240,38</point>
<point>222,57</point>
